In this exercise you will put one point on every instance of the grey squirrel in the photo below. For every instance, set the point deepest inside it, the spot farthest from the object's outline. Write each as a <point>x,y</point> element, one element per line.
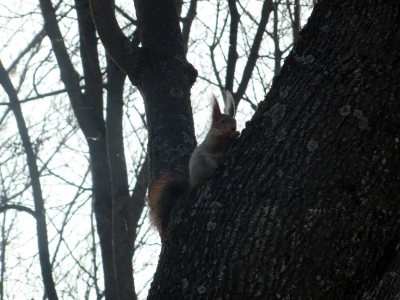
<point>164,191</point>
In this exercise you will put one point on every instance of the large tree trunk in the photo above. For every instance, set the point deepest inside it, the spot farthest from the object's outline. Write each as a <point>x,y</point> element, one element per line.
<point>307,205</point>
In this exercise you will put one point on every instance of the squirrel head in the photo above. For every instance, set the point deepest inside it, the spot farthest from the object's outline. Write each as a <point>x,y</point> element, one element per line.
<point>224,124</point>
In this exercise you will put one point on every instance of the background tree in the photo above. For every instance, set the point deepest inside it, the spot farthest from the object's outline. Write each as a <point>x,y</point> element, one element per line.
<point>61,146</point>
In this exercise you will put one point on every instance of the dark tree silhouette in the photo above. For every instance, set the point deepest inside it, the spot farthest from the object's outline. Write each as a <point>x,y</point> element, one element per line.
<point>94,87</point>
<point>306,205</point>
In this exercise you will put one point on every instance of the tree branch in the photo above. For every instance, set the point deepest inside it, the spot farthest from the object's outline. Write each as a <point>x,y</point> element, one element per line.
<point>216,41</point>
<point>251,62</point>
<point>41,96</point>
<point>3,208</point>
<point>232,53</point>
<point>36,40</point>
<point>138,196</point>
<point>164,82</point>
<point>117,45</point>
<point>187,23</point>
<point>159,17</point>
<point>69,75</point>
<point>276,39</point>
<point>125,15</point>
<point>100,158</point>
<point>88,111</point>
<point>295,21</point>
<point>93,97</point>
<point>121,200</point>
<point>43,242</point>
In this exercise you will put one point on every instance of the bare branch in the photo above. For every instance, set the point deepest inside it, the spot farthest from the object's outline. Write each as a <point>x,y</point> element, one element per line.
<point>66,216</point>
<point>123,235</point>
<point>44,255</point>
<point>294,18</point>
<point>276,39</point>
<point>216,42</point>
<point>187,23</point>
<point>251,62</point>
<point>125,15</point>
<point>3,208</point>
<point>102,189</point>
<point>69,75</point>
<point>94,255</point>
<point>138,196</point>
<point>93,98</point>
<point>36,40</point>
<point>232,54</point>
<point>117,45</point>
<point>41,96</point>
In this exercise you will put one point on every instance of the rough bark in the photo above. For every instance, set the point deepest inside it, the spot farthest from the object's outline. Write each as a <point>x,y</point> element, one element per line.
<point>164,82</point>
<point>306,205</point>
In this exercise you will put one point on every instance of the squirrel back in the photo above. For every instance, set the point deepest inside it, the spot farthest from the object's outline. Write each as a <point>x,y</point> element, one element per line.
<point>164,192</point>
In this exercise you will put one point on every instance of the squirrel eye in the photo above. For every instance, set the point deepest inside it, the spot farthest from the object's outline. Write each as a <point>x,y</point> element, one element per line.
<point>222,120</point>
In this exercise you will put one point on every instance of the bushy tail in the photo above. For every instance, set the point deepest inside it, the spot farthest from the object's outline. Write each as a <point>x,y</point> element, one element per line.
<point>163,194</point>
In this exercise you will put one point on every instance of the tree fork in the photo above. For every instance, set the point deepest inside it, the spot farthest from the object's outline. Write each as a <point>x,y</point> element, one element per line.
<point>162,74</point>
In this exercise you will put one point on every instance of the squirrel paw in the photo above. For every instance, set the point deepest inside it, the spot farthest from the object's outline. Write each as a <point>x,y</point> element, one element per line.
<point>235,134</point>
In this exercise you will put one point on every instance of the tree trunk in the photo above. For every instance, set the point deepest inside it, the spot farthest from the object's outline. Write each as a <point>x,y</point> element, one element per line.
<point>306,206</point>
<point>164,78</point>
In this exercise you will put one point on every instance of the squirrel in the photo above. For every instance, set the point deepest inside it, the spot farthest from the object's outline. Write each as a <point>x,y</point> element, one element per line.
<point>217,142</point>
<point>164,191</point>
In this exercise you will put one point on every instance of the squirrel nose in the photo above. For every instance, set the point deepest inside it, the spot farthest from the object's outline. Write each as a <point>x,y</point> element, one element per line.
<point>233,129</point>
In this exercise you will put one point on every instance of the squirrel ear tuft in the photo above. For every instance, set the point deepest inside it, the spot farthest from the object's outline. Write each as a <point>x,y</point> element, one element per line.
<point>229,104</point>
<point>216,111</point>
